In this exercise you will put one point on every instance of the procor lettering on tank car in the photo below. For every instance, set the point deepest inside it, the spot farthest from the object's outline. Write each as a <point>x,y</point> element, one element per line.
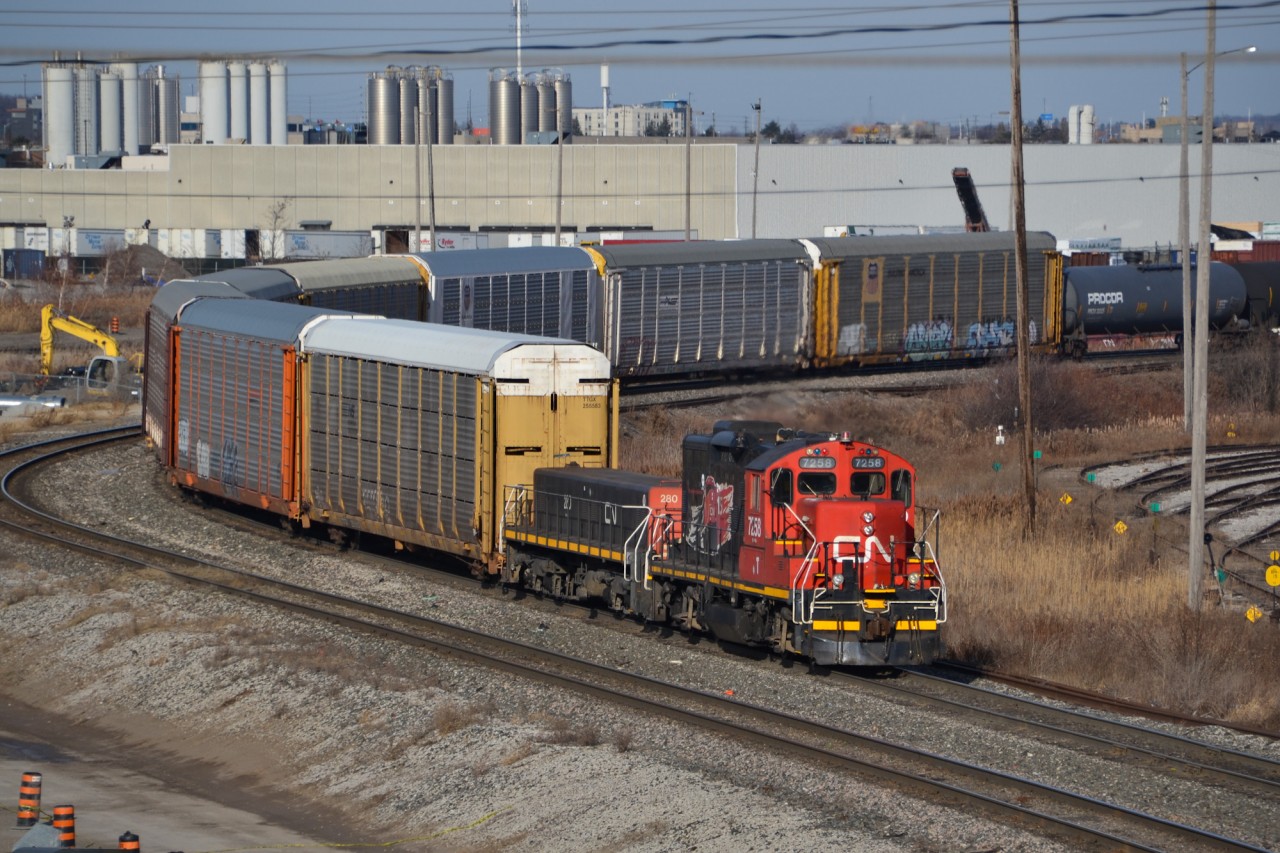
<point>405,430</point>
<point>1137,307</point>
<point>801,543</point>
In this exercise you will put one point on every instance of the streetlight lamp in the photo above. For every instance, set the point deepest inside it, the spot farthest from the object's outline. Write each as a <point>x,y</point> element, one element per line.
<point>1184,229</point>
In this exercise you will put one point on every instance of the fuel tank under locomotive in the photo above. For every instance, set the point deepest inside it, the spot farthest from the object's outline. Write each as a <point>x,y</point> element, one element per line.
<point>1136,300</point>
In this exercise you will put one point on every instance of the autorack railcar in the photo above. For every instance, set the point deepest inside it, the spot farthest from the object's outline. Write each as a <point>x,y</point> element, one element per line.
<point>800,543</point>
<point>406,430</point>
<point>883,300</point>
<point>705,308</point>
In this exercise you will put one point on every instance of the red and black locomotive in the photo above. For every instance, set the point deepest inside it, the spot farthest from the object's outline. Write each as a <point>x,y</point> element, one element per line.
<point>802,543</point>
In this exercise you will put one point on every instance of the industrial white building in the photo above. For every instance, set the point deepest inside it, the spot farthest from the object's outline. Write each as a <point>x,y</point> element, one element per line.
<point>1073,191</point>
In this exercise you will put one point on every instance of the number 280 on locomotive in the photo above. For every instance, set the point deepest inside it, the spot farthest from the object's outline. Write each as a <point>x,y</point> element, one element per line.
<point>802,543</point>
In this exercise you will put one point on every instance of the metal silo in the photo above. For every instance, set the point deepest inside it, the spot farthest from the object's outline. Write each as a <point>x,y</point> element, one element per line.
<point>59,114</point>
<point>443,113</point>
<point>110,134</point>
<point>214,117</point>
<point>384,110</point>
<point>86,105</point>
<point>168,106</point>
<point>279,103</point>
<point>147,110</point>
<point>546,104</point>
<point>528,105</point>
<point>238,100</point>
<point>504,108</point>
<point>564,102</point>
<point>408,105</point>
<point>259,105</point>
<point>130,117</point>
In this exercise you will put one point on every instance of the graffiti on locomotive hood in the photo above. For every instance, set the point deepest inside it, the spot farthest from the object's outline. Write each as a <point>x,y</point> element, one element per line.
<point>713,518</point>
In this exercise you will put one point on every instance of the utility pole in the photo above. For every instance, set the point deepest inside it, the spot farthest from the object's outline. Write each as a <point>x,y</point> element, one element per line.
<point>1020,266</point>
<point>1200,387</point>
<point>1184,248</point>
<point>559,164</point>
<point>688,171</point>
<point>431,173</point>
<point>417,179</point>
<point>755,181</point>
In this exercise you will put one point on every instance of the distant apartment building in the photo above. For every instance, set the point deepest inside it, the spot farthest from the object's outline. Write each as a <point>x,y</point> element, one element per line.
<point>634,120</point>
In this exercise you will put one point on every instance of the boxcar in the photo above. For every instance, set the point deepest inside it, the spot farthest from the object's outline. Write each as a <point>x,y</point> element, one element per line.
<point>692,308</point>
<point>912,298</point>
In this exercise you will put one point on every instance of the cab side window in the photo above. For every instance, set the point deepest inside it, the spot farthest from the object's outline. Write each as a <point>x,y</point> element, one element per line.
<point>780,488</point>
<point>900,486</point>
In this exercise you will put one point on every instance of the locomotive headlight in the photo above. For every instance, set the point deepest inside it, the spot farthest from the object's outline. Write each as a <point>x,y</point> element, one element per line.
<point>868,517</point>
<point>837,581</point>
<point>913,580</point>
<point>868,530</point>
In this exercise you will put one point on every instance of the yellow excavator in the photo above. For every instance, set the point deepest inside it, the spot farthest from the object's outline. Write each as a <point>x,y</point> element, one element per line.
<point>108,374</point>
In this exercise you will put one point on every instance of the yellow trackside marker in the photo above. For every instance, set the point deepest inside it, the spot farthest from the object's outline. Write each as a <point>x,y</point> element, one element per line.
<point>1231,430</point>
<point>1065,500</point>
<point>1273,575</point>
<point>1253,614</point>
<point>1121,527</point>
<point>1275,556</point>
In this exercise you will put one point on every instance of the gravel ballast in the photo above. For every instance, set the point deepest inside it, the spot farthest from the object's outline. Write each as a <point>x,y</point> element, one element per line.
<point>396,742</point>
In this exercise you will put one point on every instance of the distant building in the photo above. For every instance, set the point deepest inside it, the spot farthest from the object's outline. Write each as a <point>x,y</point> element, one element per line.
<point>634,120</point>
<point>1167,130</point>
<point>23,122</point>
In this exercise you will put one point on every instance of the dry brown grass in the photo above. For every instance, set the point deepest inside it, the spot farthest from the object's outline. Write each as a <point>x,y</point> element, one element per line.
<point>1076,602</point>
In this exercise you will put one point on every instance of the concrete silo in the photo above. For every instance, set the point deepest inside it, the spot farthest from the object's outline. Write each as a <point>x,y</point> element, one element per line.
<point>214,113</point>
<point>238,101</point>
<point>110,112</point>
<point>59,114</point>
<point>259,105</point>
<point>279,103</point>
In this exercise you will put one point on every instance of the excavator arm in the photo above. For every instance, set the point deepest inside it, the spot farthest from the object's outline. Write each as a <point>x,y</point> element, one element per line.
<point>52,319</point>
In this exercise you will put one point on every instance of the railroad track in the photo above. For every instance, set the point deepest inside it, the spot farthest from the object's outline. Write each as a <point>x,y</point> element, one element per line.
<point>1057,811</point>
<point>1242,503</point>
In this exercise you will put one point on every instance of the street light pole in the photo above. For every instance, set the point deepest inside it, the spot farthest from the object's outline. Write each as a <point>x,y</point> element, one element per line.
<point>1184,249</point>
<point>1200,391</point>
<point>755,179</point>
<point>1184,229</point>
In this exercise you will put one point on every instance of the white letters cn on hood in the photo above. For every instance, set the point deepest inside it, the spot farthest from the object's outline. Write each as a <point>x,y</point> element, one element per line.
<point>1116,298</point>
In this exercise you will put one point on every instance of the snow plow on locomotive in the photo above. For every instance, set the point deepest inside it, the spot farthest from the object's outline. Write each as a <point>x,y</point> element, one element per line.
<point>801,543</point>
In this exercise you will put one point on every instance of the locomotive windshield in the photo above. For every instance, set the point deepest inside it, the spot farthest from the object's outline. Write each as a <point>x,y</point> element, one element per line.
<point>817,483</point>
<point>866,483</point>
<point>901,486</point>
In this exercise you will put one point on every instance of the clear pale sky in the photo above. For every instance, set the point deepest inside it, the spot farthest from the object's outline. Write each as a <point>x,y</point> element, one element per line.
<point>813,64</point>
